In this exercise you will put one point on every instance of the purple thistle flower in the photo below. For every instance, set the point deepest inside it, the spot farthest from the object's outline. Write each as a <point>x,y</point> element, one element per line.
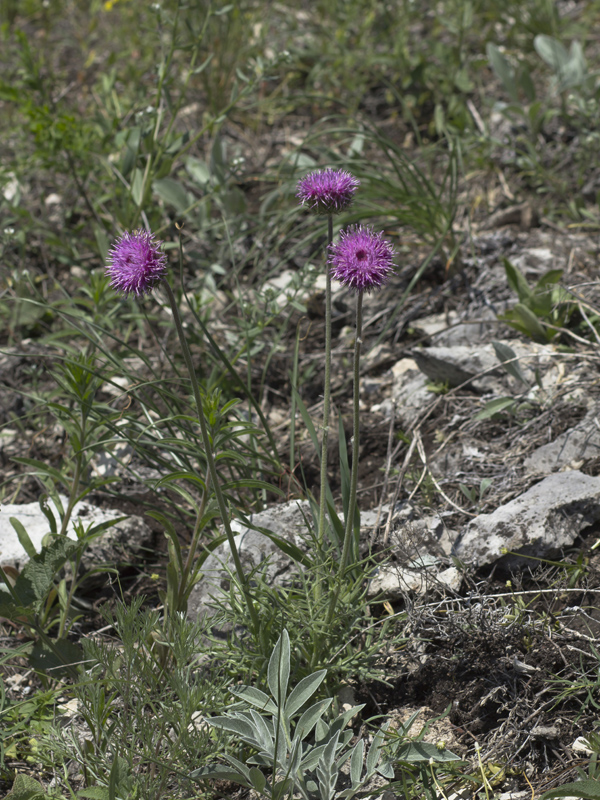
<point>362,259</point>
<point>136,263</point>
<point>327,191</point>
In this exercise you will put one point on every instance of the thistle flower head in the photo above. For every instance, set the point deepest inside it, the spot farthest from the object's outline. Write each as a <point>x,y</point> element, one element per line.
<point>136,263</point>
<point>362,259</point>
<point>327,191</point>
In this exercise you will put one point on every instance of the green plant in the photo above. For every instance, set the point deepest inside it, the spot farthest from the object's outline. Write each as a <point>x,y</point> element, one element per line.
<point>139,728</point>
<point>571,94</point>
<point>514,405</point>
<point>474,494</point>
<point>518,84</point>
<point>41,594</point>
<point>23,722</point>
<point>542,309</point>
<point>306,755</point>
<point>584,688</point>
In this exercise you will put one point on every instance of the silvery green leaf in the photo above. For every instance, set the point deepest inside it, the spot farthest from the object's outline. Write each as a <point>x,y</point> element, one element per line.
<point>503,70</point>
<point>386,770</point>
<point>311,717</point>
<point>552,51</point>
<point>496,406</point>
<point>345,737</point>
<point>239,765</point>
<point>321,730</point>
<point>340,722</point>
<point>281,744</point>
<point>326,774</point>
<point>510,361</point>
<point>258,779</point>
<point>356,762</point>
<point>255,697</point>
<point>311,759</point>
<point>234,725</point>
<point>261,760</point>
<point>223,773</point>
<point>278,672</point>
<point>173,193</point>
<point>23,537</point>
<point>197,170</point>
<point>296,753</point>
<point>375,749</point>
<point>586,789</point>
<point>262,732</point>
<point>303,691</point>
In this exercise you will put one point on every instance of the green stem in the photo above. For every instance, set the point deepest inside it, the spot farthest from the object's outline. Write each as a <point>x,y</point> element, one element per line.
<point>187,567</point>
<point>79,467</point>
<point>317,634</point>
<point>65,614</point>
<point>294,377</point>
<point>211,461</point>
<point>72,493</point>
<point>349,527</point>
<point>326,398</point>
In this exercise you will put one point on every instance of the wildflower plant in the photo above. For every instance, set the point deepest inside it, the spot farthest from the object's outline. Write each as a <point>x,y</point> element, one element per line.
<point>326,192</point>
<point>137,265</point>
<point>363,261</point>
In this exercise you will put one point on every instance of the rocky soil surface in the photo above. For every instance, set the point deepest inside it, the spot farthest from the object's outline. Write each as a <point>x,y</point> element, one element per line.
<point>479,473</point>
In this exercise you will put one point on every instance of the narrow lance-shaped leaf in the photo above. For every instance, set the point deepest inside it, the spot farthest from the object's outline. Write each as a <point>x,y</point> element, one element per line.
<point>235,725</point>
<point>510,361</point>
<point>223,773</point>
<point>278,672</point>
<point>374,750</point>
<point>254,697</point>
<point>311,716</point>
<point>356,762</point>
<point>326,773</point>
<point>23,537</point>
<point>303,691</point>
<point>262,733</point>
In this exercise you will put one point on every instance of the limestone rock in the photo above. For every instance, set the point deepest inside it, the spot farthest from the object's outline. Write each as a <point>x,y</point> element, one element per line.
<point>127,536</point>
<point>393,581</point>
<point>573,447</point>
<point>256,550</point>
<point>409,393</point>
<point>537,523</point>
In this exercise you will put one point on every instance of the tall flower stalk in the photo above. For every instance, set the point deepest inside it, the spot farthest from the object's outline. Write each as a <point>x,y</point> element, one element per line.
<point>136,266</point>
<point>326,192</point>
<point>363,261</point>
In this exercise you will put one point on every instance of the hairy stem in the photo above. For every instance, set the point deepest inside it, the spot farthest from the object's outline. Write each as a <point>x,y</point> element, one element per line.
<point>349,522</point>
<point>326,397</point>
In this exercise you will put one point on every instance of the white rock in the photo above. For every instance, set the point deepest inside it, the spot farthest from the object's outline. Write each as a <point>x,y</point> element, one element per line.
<point>409,393</point>
<point>393,581</point>
<point>131,531</point>
<point>451,577</point>
<point>579,444</point>
<point>538,523</point>
<point>256,550</point>
<point>582,746</point>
